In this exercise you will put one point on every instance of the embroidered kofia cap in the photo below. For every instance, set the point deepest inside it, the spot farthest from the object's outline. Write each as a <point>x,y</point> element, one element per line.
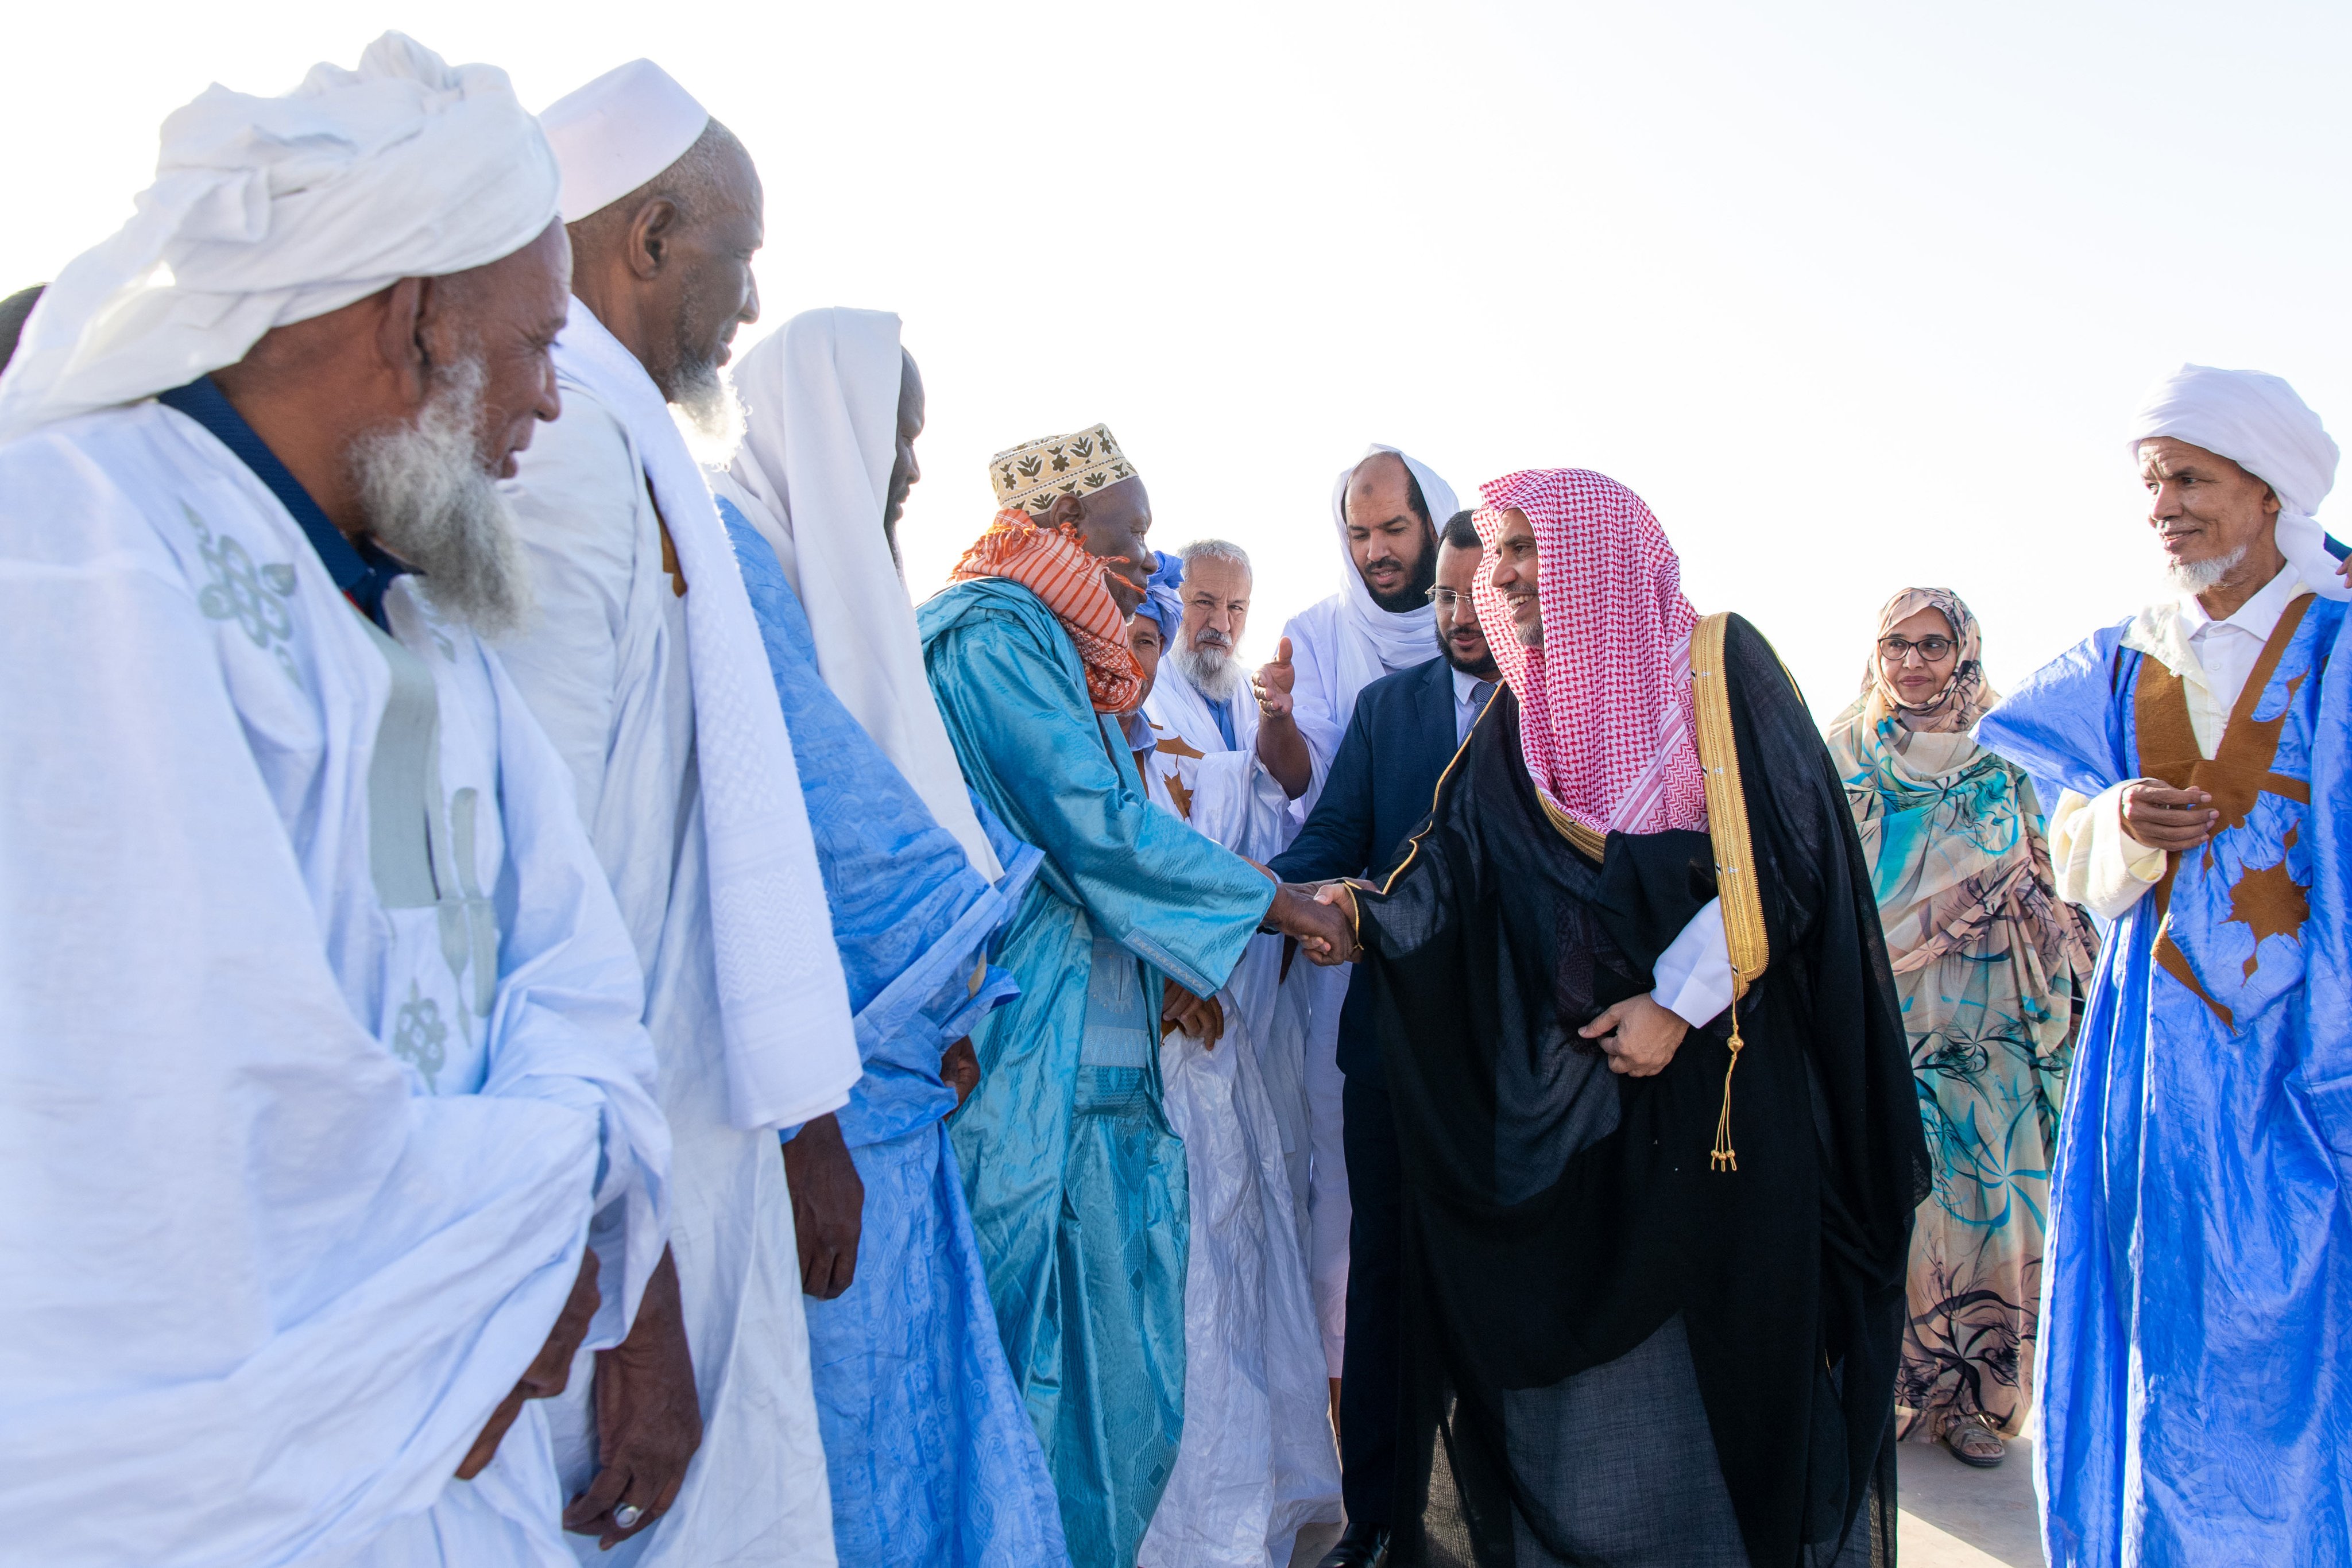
<point>1035,473</point>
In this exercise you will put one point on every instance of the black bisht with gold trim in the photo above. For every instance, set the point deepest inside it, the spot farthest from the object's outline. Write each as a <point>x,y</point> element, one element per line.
<point>1559,1218</point>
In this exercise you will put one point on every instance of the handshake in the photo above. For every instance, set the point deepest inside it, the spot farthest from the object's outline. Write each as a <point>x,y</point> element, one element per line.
<point>1320,916</point>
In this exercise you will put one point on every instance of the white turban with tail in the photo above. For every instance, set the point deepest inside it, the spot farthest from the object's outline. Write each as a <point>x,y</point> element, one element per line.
<point>813,475</point>
<point>267,211</point>
<point>2257,422</point>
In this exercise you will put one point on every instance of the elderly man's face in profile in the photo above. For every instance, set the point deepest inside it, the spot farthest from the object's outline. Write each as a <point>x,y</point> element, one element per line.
<point>1519,577</point>
<point>510,313</point>
<point>711,252</point>
<point>1112,524</point>
<point>2206,510</point>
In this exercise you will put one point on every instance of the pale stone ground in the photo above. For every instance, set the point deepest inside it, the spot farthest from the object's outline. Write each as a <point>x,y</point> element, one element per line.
<point>1953,1517</point>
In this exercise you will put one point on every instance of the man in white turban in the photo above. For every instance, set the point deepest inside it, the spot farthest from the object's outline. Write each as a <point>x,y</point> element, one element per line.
<point>1386,510</point>
<point>2200,1255</point>
<point>930,1452</point>
<point>322,1049</point>
<point>645,663</point>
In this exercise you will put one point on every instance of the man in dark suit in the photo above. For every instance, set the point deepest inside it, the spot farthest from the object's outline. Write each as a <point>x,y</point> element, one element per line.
<point>1405,729</point>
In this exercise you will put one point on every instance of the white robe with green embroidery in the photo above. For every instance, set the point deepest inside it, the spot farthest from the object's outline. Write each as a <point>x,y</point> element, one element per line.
<point>319,1040</point>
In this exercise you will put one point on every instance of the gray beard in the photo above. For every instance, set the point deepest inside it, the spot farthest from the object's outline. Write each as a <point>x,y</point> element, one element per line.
<point>708,412</point>
<point>1212,671</point>
<point>426,500</point>
<point>2196,576</point>
<point>1530,637</point>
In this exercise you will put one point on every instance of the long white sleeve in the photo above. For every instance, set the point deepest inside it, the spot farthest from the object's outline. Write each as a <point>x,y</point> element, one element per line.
<point>2097,864</point>
<point>1694,973</point>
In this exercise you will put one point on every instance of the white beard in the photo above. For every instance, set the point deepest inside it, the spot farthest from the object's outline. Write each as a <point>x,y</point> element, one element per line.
<point>2196,576</point>
<point>708,415</point>
<point>428,501</point>
<point>1213,672</point>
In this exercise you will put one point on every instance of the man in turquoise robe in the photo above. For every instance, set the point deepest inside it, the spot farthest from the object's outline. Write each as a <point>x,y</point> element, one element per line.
<point>1077,1182</point>
<point>2195,1336</point>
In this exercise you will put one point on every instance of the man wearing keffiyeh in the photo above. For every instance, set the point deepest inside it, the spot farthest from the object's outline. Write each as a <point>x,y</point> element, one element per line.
<point>1076,1184</point>
<point>1624,1343</point>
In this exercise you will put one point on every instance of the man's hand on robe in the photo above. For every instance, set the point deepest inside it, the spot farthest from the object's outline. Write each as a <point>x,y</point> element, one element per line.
<point>959,1070</point>
<point>648,1418</point>
<point>1326,931</point>
<point>1638,1035</point>
<point>828,1207</point>
<point>1280,746</point>
<point>2166,819</point>
<point>1203,1018</point>
<point>549,1371</point>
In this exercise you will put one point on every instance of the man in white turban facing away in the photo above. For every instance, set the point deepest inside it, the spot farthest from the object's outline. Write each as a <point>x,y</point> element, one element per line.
<point>2196,1351</point>
<point>323,1049</point>
<point>645,666</point>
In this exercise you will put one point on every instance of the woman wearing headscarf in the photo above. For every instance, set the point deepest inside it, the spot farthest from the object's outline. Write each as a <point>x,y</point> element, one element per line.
<point>1989,965</point>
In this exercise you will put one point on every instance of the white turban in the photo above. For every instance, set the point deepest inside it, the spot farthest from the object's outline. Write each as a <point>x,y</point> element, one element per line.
<point>2257,422</point>
<point>267,211</point>
<point>813,475</point>
<point>619,132</point>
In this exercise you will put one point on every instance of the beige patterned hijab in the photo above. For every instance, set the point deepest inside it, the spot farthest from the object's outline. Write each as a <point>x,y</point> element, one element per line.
<point>1964,699</point>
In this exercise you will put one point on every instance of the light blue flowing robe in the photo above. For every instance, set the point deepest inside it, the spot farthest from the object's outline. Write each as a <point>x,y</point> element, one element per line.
<point>2196,1357</point>
<point>929,1452</point>
<point>1077,1182</point>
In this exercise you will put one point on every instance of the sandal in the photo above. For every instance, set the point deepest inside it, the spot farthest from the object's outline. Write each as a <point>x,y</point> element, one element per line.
<point>1974,1442</point>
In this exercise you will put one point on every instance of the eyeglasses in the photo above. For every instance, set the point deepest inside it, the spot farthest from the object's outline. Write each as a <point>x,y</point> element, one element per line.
<point>1447,598</point>
<point>1898,649</point>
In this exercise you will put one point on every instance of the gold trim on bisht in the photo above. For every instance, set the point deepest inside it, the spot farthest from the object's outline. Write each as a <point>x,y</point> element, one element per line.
<point>1735,852</point>
<point>1036,474</point>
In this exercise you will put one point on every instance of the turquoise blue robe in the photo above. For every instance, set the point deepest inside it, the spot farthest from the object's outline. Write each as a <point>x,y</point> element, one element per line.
<point>1076,1183</point>
<point>2196,1355</point>
<point>929,1451</point>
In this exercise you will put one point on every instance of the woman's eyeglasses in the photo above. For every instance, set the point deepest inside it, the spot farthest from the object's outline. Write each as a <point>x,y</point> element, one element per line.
<point>1898,649</point>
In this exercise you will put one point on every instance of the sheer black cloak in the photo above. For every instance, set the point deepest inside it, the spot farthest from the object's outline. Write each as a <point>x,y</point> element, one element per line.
<point>1558,1215</point>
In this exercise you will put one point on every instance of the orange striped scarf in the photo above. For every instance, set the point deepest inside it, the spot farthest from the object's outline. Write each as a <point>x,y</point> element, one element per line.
<point>1053,565</point>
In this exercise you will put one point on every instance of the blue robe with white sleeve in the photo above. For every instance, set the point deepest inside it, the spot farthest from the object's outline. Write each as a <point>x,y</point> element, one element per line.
<point>1075,1180</point>
<point>929,1451</point>
<point>2196,1353</point>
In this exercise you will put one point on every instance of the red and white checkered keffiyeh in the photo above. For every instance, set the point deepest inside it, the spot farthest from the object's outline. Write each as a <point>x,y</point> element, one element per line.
<point>1605,707</point>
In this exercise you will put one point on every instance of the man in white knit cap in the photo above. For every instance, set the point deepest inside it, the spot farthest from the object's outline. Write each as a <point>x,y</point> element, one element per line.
<point>2200,1250</point>
<point>323,1043</point>
<point>645,666</point>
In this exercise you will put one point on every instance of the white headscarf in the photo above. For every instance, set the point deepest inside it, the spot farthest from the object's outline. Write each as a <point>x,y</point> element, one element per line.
<point>2257,422</point>
<point>813,474</point>
<point>267,211</point>
<point>1373,641</point>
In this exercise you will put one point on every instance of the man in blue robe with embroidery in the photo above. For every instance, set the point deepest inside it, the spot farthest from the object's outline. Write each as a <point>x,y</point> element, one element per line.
<point>1076,1181</point>
<point>2196,1369</point>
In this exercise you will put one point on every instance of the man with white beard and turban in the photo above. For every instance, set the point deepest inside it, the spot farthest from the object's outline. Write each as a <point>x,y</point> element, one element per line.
<point>323,1048</point>
<point>2200,1256</point>
<point>1256,1462</point>
<point>930,1449</point>
<point>645,666</point>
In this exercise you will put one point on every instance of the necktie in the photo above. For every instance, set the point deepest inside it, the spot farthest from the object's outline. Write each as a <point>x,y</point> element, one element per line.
<point>1479,692</point>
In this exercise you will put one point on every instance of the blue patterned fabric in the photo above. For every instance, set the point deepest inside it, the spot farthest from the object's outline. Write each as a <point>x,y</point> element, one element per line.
<point>2195,1360</point>
<point>927,1447</point>
<point>1076,1183</point>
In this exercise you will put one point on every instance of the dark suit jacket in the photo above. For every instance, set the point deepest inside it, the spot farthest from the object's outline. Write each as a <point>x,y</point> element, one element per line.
<point>1378,789</point>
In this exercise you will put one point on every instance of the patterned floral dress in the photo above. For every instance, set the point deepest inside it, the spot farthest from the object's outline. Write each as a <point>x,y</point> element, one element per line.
<point>1989,965</point>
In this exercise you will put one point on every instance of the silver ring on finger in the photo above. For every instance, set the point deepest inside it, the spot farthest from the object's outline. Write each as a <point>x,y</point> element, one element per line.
<point>628,1514</point>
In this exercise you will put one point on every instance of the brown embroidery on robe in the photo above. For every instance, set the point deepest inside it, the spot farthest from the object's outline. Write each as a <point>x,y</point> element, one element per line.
<point>2269,901</point>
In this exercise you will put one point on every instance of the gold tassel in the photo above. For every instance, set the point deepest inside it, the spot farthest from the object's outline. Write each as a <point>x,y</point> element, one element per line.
<point>1724,1157</point>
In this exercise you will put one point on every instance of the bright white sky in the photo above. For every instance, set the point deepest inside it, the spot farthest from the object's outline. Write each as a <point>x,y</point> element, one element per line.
<point>1855,295</point>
